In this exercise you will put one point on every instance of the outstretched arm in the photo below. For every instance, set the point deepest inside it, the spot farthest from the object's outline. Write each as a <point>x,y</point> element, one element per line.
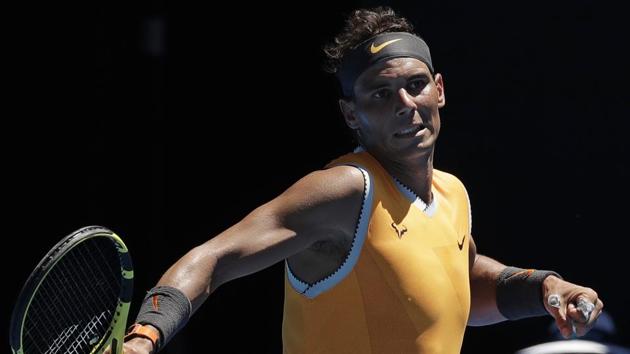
<point>320,206</point>
<point>486,274</point>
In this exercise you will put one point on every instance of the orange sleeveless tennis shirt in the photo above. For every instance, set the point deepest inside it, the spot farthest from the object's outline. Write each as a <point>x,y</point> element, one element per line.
<point>404,286</point>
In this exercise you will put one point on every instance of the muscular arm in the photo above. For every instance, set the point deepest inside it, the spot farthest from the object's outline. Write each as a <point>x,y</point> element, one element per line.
<point>320,206</point>
<point>316,207</point>
<point>484,273</point>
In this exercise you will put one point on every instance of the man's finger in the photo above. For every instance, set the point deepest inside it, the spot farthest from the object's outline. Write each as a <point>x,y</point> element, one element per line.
<point>558,309</point>
<point>586,307</point>
<point>583,314</point>
<point>575,314</point>
<point>583,328</point>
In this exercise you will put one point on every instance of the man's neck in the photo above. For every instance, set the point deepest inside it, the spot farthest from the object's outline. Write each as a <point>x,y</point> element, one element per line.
<point>416,174</point>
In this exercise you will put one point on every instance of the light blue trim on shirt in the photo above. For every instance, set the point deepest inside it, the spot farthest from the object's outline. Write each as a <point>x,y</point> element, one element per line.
<point>312,290</point>
<point>428,210</point>
<point>297,284</point>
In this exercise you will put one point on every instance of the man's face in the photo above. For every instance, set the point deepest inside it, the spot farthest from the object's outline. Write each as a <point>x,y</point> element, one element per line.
<point>395,108</point>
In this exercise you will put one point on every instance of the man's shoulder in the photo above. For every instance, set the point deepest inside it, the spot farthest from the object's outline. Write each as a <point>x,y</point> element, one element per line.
<point>322,203</point>
<point>446,177</point>
<point>337,180</point>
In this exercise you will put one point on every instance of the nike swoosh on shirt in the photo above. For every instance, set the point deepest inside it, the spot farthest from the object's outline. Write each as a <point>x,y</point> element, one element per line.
<point>461,245</point>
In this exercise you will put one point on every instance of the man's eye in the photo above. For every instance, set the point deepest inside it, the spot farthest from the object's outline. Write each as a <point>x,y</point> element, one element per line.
<point>381,94</point>
<point>416,86</point>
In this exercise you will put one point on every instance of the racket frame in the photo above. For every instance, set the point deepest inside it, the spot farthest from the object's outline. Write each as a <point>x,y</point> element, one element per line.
<point>117,326</point>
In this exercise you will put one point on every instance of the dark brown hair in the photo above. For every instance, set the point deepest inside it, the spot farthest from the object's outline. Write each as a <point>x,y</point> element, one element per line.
<point>361,25</point>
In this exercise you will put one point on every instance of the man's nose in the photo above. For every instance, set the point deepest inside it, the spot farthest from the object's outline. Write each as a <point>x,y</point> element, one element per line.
<point>405,104</point>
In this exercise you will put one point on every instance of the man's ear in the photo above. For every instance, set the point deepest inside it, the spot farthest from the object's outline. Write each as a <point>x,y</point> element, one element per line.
<point>439,84</point>
<point>347,109</point>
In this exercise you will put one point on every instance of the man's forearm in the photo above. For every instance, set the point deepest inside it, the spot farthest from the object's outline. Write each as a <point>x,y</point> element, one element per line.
<point>195,274</point>
<point>483,285</point>
<point>500,292</point>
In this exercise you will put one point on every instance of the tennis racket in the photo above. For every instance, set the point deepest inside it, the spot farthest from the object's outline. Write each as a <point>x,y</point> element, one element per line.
<point>77,299</point>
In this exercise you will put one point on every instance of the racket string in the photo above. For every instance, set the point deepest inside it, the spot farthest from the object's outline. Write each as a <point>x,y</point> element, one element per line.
<point>52,315</point>
<point>79,297</point>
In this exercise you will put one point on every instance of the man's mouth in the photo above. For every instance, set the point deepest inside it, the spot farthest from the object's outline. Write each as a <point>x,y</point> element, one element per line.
<point>409,131</point>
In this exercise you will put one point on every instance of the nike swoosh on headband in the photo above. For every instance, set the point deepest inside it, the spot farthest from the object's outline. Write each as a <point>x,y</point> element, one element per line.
<point>378,48</point>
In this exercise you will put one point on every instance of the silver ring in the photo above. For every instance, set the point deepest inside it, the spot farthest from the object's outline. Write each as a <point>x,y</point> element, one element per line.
<point>586,307</point>
<point>554,300</point>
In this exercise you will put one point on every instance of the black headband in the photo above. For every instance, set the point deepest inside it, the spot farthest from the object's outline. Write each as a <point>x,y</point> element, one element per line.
<point>381,47</point>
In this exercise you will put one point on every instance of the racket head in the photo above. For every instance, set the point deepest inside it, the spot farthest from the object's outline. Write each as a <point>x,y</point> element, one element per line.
<point>77,298</point>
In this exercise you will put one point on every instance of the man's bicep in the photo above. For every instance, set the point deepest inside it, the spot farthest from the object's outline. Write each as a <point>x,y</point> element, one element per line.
<point>314,207</point>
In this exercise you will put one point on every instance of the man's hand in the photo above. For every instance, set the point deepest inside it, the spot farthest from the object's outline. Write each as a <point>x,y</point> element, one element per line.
<point>564,308</point>
<point>138,345</point>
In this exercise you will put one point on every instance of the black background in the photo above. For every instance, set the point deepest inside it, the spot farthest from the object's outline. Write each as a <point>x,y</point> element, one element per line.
<point>169,124</point>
